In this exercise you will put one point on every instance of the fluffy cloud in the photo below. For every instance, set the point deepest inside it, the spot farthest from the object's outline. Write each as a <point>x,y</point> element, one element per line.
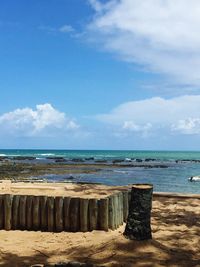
<point>179,115</point>
<point>44,119</point>
<point>162,36</point>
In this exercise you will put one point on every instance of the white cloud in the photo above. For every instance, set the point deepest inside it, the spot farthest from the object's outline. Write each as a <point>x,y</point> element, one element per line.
<point>162,36</point>
<point>45,119</point>
<point>177,115</point>
<point>187,126</point>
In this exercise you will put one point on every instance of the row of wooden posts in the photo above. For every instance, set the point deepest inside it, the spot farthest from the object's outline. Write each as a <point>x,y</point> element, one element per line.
<point>56,214</point>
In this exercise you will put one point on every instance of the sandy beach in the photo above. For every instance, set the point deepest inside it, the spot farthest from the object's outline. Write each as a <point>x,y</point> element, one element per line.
<point>175,227</point>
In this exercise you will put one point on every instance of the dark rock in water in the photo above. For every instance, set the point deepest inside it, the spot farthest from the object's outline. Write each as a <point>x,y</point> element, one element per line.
<point>101,161</point>
<point>77,160</point>
<point>3,157</point>
<point>61,160</point>
<point>117,161</point>
<point>70,177</point>
<point>55,158</point>
<point>149,159</point>
<point>187,160</point>
<point>23,158</point>
<point>91,158</point>
<point>161,166</point>
<point>138,160</point>
<point>147,166</point>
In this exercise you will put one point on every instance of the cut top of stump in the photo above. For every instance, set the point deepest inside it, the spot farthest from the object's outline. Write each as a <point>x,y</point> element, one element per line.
<point>142,186</point>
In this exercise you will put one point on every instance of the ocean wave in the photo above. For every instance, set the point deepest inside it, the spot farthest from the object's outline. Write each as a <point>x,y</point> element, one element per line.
<point>47,154</point>
<point>3,155</point>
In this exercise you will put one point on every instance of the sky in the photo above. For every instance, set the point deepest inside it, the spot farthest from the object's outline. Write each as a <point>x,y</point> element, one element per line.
<point>107,74</point>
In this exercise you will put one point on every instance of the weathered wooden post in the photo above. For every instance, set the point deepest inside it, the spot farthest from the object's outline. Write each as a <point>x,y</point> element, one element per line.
<point>8,212</point>
<point>50,214</point>
<point>59,214</point>
<point>1,212</point>
<point>29,214</point>
<point>103,214</point>
<point>74,215</point>
<point>22,212</point>
<point>138,225</point>
<point>93,214</point>
<point>111,218</point>
<point>36,213</point>
<point>15,212</point>
<point>116,215</point>
<point>84,214</point>
<point>43,213</point>
<point>66,205</point>
<point>125,205</point>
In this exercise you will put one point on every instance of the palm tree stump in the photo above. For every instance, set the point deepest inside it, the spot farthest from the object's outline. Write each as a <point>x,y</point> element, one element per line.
<point>138,225</point>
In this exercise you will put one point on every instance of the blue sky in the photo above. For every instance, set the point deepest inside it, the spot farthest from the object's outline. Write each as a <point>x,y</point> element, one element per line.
<point>87,74</point>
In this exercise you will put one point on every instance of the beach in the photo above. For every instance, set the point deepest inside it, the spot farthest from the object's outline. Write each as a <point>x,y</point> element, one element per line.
<point>175,228</point>
<point>175,217</point>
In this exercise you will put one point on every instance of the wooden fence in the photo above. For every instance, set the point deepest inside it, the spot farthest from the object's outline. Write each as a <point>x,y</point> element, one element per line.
<point>56,214</point>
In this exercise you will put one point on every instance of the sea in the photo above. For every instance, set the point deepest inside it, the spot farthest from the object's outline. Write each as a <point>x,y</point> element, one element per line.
<point>180,166</point>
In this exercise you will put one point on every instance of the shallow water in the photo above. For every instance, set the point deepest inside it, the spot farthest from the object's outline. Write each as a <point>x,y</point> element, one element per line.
<point>171,179</point>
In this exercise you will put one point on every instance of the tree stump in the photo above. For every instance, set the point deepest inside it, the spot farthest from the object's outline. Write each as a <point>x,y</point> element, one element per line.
<point>138,225</point>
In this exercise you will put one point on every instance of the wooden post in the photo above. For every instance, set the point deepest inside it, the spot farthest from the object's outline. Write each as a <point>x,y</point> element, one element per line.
<point>43,212</point>
<point>115,204</point>
<point>50,212</point>
<point>111,215</point>
<point>125,205</point>
<point>139,218</point>
<point>93,214</point>
<point>29,213</point>
<point>59,214</point>
<point>15,212</point>
<point>36,213</point>
<point>74,214</point>
<point>1,212</point>
<point>120,197</point>
<point>103,214</point>
<point>7,212</point>
<point>22,212</point>
<point>66,213</point>
<point>84,214</point>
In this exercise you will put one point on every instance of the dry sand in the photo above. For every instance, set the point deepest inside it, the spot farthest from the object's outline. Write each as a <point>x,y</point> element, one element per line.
<point>58,189</point>
<point>176,241</point>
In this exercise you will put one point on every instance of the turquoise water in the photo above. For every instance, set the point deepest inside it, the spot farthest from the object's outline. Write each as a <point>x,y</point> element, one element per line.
<point>105,154</point>
<point>171,179</point>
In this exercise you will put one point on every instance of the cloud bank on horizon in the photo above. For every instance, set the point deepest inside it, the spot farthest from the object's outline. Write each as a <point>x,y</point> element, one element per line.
<point>161,36</point>
<point>180,115</point>
<point>143,118</point>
